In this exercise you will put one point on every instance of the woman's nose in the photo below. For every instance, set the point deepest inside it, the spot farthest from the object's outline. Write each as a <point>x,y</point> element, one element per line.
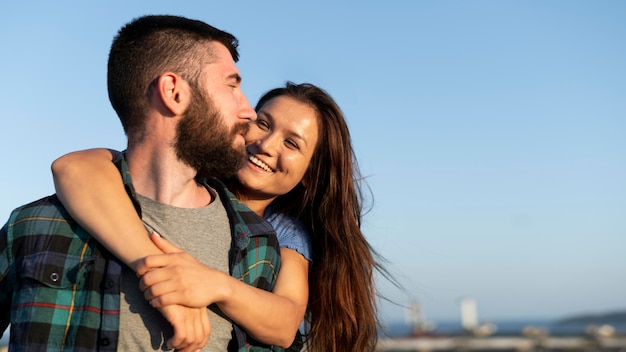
<point>268,144</point>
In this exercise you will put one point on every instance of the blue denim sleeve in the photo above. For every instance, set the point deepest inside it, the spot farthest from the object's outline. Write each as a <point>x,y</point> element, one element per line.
<point>291,233</point>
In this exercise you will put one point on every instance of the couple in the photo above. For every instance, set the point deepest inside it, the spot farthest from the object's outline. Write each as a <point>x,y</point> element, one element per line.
<point>175,86</point>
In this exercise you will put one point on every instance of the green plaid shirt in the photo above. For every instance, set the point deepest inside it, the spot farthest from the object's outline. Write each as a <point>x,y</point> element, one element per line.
<point>60,289</point>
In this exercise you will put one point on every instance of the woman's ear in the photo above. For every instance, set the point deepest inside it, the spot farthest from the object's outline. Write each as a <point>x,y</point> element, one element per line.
<point>174,92</point>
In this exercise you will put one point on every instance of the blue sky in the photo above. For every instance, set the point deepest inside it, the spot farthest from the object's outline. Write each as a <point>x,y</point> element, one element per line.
<point>492,133</point>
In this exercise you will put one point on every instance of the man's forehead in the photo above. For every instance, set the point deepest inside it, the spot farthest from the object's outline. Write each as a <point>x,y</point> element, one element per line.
<point>221,52</point>
<point>223,62</point>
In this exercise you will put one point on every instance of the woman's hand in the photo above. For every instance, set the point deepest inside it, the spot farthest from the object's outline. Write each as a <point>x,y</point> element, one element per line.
<point>176,277</point>
<point>192,327</point>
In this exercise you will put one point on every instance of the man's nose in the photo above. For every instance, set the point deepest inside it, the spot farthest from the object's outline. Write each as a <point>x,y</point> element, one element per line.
<point>246,111</point>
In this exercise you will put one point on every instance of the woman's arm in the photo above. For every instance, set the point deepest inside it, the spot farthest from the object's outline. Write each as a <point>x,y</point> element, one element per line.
<point>91,189</point>
<point>270,317</point>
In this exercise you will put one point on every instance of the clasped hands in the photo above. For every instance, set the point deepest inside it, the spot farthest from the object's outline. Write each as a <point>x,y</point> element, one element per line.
<point>181,288</point>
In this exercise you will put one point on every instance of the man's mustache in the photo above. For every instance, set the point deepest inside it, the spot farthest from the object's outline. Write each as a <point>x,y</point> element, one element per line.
<point>241,128</point>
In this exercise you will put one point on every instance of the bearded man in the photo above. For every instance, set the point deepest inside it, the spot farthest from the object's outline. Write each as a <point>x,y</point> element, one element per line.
<point>174,84</point>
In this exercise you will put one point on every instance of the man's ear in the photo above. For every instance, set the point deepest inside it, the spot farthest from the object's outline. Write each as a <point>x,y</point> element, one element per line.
<point>174,92</point>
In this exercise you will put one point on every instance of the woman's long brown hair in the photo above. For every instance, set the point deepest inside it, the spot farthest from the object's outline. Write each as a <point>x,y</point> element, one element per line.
<point>342,299</point>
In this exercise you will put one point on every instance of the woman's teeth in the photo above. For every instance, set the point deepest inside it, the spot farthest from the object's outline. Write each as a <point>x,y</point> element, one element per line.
<point>256,161</point>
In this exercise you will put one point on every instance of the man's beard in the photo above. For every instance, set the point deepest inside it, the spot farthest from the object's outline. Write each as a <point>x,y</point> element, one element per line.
<point>204,142</point>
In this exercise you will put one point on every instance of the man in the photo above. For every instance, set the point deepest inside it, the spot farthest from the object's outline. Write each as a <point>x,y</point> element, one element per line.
<point>176,89</point>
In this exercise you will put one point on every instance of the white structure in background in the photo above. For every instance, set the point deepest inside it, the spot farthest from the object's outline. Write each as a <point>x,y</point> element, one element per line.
<point>469,314</point>
<point>469,319</point>
<point>415,318</point>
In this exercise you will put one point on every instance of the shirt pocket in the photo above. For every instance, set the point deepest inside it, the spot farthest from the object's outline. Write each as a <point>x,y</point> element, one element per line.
<point>53,270</point>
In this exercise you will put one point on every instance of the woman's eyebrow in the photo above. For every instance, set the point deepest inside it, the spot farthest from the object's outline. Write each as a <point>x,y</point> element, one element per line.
<point>290,133</point>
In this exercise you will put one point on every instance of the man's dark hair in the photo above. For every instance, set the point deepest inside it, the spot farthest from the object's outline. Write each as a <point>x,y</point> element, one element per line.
<point>149,46</point>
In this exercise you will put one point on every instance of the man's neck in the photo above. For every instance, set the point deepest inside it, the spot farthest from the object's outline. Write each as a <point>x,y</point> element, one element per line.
<point>161,176</point>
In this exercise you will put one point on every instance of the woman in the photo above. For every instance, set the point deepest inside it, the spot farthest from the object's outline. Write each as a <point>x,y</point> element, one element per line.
<point>301,172</point>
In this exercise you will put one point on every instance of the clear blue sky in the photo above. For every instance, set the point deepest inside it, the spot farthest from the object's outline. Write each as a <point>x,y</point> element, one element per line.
<point>492,133</point>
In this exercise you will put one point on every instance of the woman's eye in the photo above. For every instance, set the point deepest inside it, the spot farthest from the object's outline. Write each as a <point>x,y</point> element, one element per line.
<point>262,124</point>
<point>291,144</point>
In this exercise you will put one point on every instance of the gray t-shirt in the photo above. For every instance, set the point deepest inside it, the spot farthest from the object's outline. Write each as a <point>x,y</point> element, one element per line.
<point>205,234</point>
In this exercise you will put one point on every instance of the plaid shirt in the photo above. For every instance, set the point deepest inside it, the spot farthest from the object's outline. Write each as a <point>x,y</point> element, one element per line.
<point>60,289</point>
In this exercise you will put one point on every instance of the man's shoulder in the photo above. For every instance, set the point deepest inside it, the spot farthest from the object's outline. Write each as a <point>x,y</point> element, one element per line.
<point>46,207</point>
<point>40,216</point>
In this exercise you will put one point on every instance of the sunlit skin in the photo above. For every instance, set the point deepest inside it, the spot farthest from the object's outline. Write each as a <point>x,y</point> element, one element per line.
<point>159,175</point>
<point>176,185</point>
<point>222,79</point>
<point>226,91</point>
<point>284,137</point>
<point>280,145</point>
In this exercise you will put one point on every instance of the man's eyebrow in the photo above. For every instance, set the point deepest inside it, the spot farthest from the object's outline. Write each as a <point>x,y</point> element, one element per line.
<point>235,76</point>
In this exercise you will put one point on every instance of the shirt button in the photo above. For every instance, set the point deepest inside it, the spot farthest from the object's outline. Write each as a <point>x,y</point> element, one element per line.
<point>105,341</point>
<point>108,283</point>
<point>54,277</point>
